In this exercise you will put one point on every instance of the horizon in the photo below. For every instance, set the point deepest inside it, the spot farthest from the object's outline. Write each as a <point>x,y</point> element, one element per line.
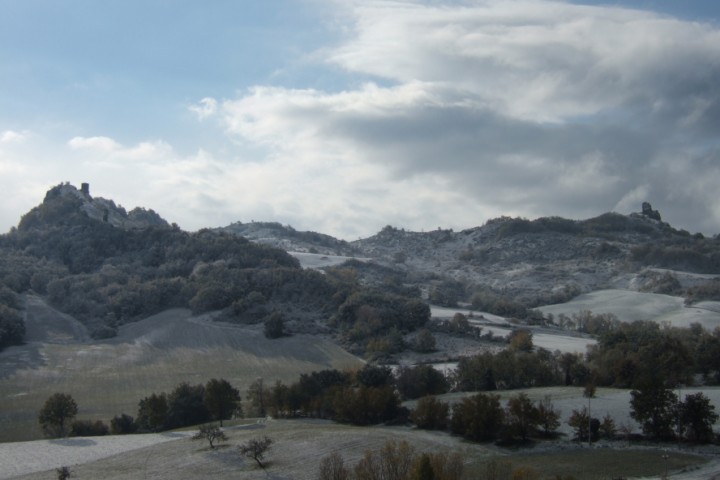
<point>342,117</point>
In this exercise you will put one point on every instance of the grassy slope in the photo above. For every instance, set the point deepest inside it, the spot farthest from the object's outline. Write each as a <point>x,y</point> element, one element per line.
<point>110,377</point>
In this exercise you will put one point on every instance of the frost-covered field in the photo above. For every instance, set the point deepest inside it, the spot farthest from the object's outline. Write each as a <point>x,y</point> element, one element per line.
<point>546,338</point>
<point>317,260</point>
<point>20,458</point>
<point>629,306</point>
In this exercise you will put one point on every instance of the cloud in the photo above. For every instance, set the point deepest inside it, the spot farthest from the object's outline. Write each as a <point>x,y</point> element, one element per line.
<point>207,107</point>
<point>12,136</point>
<point>482,108</point>
<point>96,143</point>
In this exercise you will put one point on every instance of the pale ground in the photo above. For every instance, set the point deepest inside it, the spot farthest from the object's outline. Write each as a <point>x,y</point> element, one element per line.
<point>630,306</point>
<point>549,339</point>
<point>299,446</point>
<point>317,260</point>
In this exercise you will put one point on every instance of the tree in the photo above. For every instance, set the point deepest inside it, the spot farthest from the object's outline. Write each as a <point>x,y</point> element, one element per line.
<point>697,416</point>
<point>521,340</point>
<point>425,341</point>
<point>186,406</point>
<point>548,416</point>
<point>221,399</point>
<point>258,396</point>
<point>392,462</point>
<point>152,413</point>
<point>607,427</point>
<point>332,467</point>
<point>55,414</point>
<point>430,414</point>
<point>654,407</point>
<point>521,416</point>
<point>256,448</point>
<point>123,424</point>
<point>419,381</point>
<point>274,325</point>
<point>478,418</point>
<point>580,422</point>
<point>211,433</point>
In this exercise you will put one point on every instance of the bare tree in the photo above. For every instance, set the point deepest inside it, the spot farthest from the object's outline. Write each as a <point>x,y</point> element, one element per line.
<point>256,448</point>
<point>332,467</point>
<point>211,433</point>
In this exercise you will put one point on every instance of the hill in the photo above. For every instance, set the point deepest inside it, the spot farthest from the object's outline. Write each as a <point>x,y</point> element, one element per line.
<point>108,377</point>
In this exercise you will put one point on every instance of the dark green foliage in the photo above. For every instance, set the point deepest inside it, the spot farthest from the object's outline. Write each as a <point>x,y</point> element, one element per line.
<point>366,314</point>
<point>186,406</point>
<point>447,293</point>
<point>59,409</point>
<point>12,327</point>
<point>430,414</point>
<point>522,416</point>
<point>487,300</point>
<point>88,428</point>
<point>507,369</point>
<point>690,254</point>
<point>312,395</point>
<point>631,353</point>
<point>654,407</point>
<point>548,417</point>
<point>374,376</point>
<point>582,424</point>
<point>478,418</point>
<point>424,342</point>
<point>152,413</point>
<point>419,381</point>
<point>366,405</point>
<point>221,399</point>
<point>697,417</point>
<point>123,424</point>
<point>274,326</point>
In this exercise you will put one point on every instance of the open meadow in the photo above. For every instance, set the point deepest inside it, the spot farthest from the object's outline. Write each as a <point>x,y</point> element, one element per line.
<point>109,377</point>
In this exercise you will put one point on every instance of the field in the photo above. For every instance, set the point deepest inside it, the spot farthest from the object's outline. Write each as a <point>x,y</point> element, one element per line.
<point>299,446</point>
<point>629,306</point>
<point>107,378</point>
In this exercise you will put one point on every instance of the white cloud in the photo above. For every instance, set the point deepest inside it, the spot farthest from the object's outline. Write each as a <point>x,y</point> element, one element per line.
<point>524,107</point>
<point>207,107</point>
<point>11,136</point>
<point>455,112</point>
<point>95,143</point>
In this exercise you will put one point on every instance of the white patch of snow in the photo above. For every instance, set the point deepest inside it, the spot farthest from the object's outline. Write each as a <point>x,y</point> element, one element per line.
<point>21,458</point>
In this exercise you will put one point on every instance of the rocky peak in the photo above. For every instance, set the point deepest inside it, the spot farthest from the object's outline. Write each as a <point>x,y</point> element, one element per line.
<point>64,202</point>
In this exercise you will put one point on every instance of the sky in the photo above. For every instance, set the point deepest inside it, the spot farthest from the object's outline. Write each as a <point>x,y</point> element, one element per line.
<point>342,117</point>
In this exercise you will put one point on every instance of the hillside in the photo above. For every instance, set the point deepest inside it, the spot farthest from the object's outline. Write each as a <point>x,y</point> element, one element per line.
<point>108,377</point>
<point>538,262</point>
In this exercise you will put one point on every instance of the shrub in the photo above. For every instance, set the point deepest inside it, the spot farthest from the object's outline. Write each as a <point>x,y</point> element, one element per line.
<point>88,428</point>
